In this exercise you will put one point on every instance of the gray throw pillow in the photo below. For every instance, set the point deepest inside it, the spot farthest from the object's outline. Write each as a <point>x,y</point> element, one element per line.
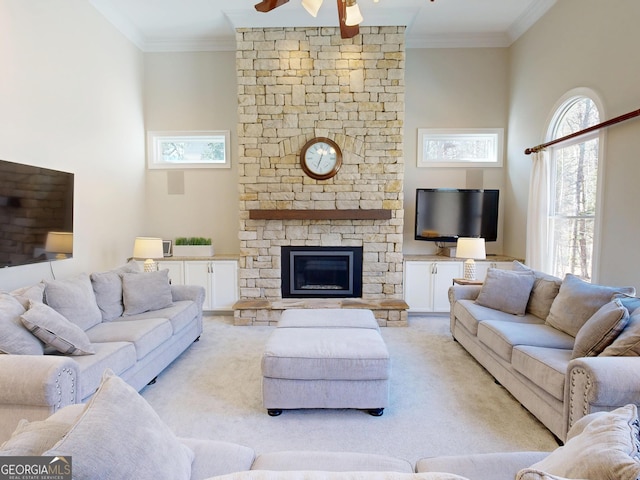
<point>628,342</point>
<point>601,330</point>
<point>55,330</point>
<point>630,302</point>
<point>34,438</point>
<point>14,337</point>
<point>506,290</point>
<point>544,291</point>
<point>142,292</point>
<point>107,287</point>
<point>577,301</point>
<point>74,299</point>
<point>606,447</point>
<point>119,435</point>
<point>33,292</point>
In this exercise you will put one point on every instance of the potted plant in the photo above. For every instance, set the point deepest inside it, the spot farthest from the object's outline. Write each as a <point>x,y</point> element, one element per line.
<point>193,247</point>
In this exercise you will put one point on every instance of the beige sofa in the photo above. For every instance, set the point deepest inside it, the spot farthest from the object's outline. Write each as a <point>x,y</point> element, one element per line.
<point>562,348</point>
<point>132,323</point>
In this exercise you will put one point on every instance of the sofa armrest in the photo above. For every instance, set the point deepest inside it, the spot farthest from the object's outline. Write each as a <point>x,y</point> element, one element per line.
<point>595,384</point>
<point>460,292</point>
<point>188,292</point>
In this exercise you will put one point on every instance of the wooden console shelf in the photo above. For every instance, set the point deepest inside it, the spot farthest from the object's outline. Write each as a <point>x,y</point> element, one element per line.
<point>355,214</point>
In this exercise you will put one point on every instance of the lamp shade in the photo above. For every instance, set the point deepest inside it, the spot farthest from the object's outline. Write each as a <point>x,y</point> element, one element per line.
<point>59,242</point>
<point>148,247</point>
<point>312,6</point>
<point>471,248</point>
<point>352,14</point>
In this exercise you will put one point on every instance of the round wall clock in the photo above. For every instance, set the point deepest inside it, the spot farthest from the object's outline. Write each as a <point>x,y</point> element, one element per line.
<point>321,158</point>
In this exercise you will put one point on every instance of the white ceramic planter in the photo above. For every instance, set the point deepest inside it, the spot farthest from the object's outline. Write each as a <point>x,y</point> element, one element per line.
<point>193,250</point>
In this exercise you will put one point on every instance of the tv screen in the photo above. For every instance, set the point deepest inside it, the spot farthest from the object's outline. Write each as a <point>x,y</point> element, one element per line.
<point>36,214</point>
<point>443,215</point>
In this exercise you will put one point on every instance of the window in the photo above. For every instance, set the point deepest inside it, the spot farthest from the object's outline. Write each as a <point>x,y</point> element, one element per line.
<point>460,147</point>
<point>574,189</point>
<point>188,149</point>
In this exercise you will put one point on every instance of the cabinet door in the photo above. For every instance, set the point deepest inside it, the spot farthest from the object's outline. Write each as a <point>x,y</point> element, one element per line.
<point>443,275</point>
<point>483,266</point>
<point>176,274</point>
<point>224,288</point>
<point>198,272</point>
<point>417,286</point>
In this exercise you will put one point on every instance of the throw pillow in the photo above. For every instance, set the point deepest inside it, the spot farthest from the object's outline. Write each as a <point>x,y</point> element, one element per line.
<point>601,330</point>
<point>544,291</point>
<point>33,438</point>
<point>73,298</point>
<point>55,330</point>
<point>33,292</point>
<point>506,290</point>
<point>121,436</point>
<point>142,292</point>
<point>606,448</point>
<point>577,301</point>
<point>14,337</point>
<point>628,342</point>
<point>107,287</point>
<point>630,302</point>
<point>532,474</point>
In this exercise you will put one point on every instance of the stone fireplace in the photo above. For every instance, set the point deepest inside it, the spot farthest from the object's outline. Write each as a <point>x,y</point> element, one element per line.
<point>295,84</point>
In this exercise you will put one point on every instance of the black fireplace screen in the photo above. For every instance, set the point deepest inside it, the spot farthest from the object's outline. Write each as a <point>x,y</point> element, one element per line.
<point>321,272</point>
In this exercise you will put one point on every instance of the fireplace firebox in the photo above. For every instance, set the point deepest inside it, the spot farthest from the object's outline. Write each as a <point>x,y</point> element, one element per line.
<point>321,272</point>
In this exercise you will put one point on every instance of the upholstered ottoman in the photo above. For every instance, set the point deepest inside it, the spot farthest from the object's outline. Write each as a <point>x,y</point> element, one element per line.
<point>326,358</point>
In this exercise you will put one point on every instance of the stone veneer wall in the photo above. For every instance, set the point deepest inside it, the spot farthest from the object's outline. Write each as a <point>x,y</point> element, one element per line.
<point>298,83</point>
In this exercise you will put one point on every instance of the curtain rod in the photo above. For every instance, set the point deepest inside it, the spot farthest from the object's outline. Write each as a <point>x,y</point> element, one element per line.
<point>613,121</point>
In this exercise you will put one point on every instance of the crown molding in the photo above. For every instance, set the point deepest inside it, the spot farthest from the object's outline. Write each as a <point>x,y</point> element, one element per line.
<point>467,40</point>
<point>530,16</point>
<point>196,44</point>
<point>122,24</point>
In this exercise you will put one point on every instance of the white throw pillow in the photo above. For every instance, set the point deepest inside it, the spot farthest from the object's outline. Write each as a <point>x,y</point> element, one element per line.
<point>119,435</point>
<point>33,438</point>
<point>73,298</point>
<point>15,338</point>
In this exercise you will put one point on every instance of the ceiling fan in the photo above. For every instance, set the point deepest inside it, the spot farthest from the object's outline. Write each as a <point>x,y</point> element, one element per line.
<point>349,15</point>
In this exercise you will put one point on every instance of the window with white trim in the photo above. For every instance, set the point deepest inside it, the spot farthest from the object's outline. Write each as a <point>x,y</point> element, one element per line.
<point>208,149</point>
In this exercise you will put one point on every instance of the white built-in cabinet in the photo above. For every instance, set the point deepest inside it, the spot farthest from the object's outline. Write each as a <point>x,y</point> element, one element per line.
<point>218,277</point>
<point>427,280</point>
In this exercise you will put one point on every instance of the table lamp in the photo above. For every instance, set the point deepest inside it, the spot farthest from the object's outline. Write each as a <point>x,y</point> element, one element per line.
<point>472,249</point>
<point>60,243</point>
<point>149,248</point>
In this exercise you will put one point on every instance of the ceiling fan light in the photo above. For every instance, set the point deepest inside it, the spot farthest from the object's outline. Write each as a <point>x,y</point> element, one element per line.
<point>352,14</point>
<point>312,6</point>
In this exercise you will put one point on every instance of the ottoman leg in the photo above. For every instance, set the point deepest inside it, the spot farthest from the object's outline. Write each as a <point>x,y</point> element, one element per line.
<point>376,412</point>
<point>274,412</point>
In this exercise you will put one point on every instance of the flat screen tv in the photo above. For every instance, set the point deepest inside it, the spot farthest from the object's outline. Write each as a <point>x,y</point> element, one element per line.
<point>36,214</point>
<point>444,214</point>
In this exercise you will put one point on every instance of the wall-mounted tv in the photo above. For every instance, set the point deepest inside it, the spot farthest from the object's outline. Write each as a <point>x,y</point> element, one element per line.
<point>444,214</point>
<point>36,214</point>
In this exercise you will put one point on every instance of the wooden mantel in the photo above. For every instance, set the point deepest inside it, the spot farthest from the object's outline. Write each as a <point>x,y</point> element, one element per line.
<point>354,214</point>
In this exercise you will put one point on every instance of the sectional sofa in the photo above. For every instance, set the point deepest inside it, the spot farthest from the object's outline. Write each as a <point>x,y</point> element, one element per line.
<point>563,348</point>
<point>59,336</point>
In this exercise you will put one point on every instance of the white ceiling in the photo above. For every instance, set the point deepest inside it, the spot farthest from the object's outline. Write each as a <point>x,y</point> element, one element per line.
<point>200,25</point>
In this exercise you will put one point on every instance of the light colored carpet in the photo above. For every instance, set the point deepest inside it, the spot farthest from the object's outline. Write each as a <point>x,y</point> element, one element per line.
<point>442,401</point>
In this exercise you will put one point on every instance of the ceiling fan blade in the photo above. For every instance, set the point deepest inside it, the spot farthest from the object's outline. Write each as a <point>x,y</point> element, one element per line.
<point>268,5</point>
<point>346,31</point>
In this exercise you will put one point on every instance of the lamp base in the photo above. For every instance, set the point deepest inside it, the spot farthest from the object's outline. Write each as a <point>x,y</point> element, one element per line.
<point>150,265</point>
<point>469,269</point>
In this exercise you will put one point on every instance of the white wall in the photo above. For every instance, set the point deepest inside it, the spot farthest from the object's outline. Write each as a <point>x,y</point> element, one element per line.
<point>461,88</point>
<point>581,43</point>
<point>193,91</point>
<point>71,99</point>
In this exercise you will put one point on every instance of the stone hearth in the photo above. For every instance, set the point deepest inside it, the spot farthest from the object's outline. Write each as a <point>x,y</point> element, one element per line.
<point>295,84</point>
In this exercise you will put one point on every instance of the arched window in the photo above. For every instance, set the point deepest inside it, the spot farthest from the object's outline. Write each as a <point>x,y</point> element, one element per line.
<point>574,199</point>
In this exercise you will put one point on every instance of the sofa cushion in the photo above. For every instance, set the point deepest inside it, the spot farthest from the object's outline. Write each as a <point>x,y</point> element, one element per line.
<point>330,462</point>
<point>320,475</point>
<point>103,440</point>
<point>470,314</point>
<point>107,287</point>
<point>33,438</point>
<point>74,299</point>
<point>15,338</point>
<point>180,314</point>
<point>486,466</point>
<point>501,337</point>
<point>143,292</point>
<point>146,335</point>
<point>213,457</point>
<point>601,330</point>
<point>606,448</point>
<point>546,367</point>
<point>55,330</point>
<point>544,291</point>
<point>506,290</point>
<point>627,344</point>
<point>117,356</point>
<point>577,301</point>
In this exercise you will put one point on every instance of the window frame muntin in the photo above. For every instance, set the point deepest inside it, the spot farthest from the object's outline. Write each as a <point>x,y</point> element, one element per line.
<point>154,156</point>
